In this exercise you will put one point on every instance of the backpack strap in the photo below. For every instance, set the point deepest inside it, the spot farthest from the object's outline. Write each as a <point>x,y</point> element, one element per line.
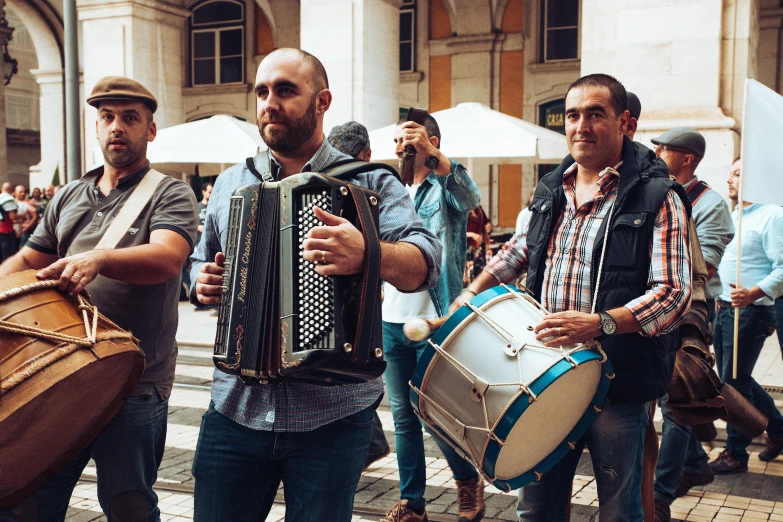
<point>259,166</point>
<point>696,190</point>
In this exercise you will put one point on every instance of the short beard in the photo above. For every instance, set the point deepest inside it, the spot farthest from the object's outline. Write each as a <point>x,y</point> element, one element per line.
<point>122,158</point>
<point>297,132</point>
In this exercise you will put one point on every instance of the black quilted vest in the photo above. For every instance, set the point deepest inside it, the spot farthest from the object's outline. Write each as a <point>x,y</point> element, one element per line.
<point>643,365</point>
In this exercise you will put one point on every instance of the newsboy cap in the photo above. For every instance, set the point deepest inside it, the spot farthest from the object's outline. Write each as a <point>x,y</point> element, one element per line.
<point>349,138</point>
<point>121,88</point>
<point>685,138</point>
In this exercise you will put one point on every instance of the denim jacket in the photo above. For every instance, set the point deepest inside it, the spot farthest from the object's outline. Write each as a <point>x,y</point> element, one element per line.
<point>443,203</point>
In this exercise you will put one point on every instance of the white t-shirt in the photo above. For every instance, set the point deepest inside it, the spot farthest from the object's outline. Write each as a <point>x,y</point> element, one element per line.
<point>398,307</point>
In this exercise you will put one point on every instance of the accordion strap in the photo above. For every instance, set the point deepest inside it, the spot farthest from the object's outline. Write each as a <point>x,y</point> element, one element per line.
<point>371,276</point>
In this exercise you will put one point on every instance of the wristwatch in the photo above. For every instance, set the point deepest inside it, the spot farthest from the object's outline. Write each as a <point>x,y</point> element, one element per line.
<point>431,162</point>
<point>608,325</point>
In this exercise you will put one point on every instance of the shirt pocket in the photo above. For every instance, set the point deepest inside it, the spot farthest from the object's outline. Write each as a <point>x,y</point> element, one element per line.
<point>432,216</point>
<point>628,242</point>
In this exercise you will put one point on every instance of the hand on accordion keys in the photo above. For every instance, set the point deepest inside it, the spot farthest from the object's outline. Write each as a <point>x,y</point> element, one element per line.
<point>337,247</point>
<point>209,282</point>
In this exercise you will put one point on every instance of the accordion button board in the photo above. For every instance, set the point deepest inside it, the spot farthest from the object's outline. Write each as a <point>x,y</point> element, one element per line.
<point>278,318</point>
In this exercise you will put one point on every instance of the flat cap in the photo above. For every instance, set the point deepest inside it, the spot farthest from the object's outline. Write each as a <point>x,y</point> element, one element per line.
<point>121,88</point>
<point>634,105</point>
<point>349,138</point>
<point>685,138</point>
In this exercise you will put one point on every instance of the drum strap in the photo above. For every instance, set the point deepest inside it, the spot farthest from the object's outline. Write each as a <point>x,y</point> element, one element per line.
<point>603,247</point>
<point>130,210</point>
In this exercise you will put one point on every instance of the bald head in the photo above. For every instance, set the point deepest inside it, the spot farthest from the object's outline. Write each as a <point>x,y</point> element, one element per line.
<point>317,73</point>
<point>8,188</point>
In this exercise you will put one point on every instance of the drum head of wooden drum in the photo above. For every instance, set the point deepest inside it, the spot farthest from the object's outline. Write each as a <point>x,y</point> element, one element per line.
<point>54,412</point>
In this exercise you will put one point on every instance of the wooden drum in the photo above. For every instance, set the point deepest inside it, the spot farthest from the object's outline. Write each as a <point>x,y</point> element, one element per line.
<point>65,371</point>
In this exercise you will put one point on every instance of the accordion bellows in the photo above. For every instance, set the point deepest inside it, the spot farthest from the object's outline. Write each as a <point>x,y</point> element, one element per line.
<point>279,318</point>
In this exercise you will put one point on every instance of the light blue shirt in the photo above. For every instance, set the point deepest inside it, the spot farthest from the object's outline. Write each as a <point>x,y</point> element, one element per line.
<point>762,253</point>
<point>714,229</point>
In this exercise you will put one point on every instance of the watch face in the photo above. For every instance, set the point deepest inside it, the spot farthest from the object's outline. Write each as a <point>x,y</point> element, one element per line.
<point>431,162</point>
<point>608,327</point>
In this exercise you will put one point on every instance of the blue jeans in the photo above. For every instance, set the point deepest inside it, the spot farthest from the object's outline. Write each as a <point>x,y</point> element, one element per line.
<point>616,443</point>
<point>7,246</point>
<point>755,325</point>
<point>127,454</point>
<point>238,469</point>
<point>401,355</point>
<point>680,451</point>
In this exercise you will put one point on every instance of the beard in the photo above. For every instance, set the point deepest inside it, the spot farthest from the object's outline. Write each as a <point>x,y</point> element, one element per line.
<point>123,157</point>
<point>295,134</point>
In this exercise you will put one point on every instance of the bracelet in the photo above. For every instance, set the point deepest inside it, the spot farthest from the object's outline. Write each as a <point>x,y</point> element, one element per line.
<point>469,290</point>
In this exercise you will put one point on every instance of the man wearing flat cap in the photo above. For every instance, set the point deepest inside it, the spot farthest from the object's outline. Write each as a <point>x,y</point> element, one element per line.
<point>682,462</point>
<point>135,284</point>
<point>351,138</point>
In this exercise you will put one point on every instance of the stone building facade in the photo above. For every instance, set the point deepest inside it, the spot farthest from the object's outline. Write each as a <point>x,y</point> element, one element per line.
<point>685,59</point>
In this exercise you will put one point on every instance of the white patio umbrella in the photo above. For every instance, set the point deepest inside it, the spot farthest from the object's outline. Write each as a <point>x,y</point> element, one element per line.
<point>474,133</point>
<point>213,144</point>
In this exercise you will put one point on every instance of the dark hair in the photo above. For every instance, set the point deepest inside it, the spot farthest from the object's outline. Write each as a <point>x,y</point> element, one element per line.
<point>205,186</point>
<point>617,92</point>
<point>430,125</point>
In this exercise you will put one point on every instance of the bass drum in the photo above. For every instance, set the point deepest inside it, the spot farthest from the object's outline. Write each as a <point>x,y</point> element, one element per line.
<point>501,399</point>
<point>65,371</point>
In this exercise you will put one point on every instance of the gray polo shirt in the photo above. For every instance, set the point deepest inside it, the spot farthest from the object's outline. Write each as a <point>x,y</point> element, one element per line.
<point>74,222</point>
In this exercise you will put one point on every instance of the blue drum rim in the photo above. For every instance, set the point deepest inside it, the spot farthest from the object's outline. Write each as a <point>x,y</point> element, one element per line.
<point>520,405</point>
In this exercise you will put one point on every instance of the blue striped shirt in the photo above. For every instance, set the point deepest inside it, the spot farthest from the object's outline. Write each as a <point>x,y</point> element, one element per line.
<point>294,406</point>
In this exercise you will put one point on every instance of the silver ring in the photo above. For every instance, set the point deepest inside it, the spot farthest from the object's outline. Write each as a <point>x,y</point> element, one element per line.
<point>559,332</point>
<point>76,276</point>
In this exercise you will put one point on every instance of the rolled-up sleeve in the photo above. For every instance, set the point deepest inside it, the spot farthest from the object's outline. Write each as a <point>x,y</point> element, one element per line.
<point>664,306</point>
<point>772,241</point>
<point>400,222</point>
<point>462,193</point>
<point>510,261</point>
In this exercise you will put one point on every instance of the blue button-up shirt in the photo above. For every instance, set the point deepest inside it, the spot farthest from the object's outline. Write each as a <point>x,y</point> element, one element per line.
<point>293,406</point>
<point>714,229</point>
<point>761,263</point>
<point>443,203</point>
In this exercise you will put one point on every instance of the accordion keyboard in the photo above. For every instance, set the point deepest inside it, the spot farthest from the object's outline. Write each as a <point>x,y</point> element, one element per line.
<point>315,298</point>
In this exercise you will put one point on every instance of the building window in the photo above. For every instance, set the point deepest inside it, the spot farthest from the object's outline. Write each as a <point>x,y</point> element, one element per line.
<point>408,36</point>
<point>560,30</point>
<point>217,42</point>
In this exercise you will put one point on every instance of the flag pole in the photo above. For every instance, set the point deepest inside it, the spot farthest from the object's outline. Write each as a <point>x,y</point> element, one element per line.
<point>743,147</point>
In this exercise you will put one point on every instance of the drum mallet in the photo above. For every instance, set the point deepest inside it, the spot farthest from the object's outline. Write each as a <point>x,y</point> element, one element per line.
<point>421,329</point>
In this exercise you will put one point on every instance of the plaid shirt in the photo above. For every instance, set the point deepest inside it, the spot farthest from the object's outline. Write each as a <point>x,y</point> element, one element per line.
<point>566,283</point>
<point>292,406</point>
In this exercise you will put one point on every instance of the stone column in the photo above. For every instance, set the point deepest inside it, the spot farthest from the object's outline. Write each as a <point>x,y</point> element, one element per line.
<point>361,60</point>
<point>686,60</point>
<point>5,36</point>
<point>140,39</point>
<point>52,129</point>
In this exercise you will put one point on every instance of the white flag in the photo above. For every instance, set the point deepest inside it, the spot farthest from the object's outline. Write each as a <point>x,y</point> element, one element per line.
<point>762,145</point>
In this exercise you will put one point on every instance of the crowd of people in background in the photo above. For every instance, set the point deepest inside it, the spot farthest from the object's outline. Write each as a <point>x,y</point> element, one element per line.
<point>20,213</point>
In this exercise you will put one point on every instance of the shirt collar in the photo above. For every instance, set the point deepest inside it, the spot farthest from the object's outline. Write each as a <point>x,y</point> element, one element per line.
<point>320,160</point>
<point>92,177</point>
<point>607,180</point>
<point>691,182</point>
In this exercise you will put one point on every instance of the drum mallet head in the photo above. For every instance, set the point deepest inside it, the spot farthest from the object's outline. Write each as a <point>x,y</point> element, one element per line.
<point>417,329</point>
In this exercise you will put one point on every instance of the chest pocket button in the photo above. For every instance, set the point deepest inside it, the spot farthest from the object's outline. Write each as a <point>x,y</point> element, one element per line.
<point>543,206</point>
<point>637,221</point>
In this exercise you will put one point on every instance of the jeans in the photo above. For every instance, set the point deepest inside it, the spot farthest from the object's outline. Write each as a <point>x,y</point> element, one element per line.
<point>755,325</point>
<point>7,246</point>
<point>680,451</point>
<point>378,444</point>
<point>238,469</point>
<point>616,443</point>
<point>127,454</point>
<point>401,355</point>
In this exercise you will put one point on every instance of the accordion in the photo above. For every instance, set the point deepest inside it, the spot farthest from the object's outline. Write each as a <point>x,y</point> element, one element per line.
<point>278,318</point>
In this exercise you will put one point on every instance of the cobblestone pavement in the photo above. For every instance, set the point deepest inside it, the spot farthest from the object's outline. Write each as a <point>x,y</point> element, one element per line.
<point>753,496</point>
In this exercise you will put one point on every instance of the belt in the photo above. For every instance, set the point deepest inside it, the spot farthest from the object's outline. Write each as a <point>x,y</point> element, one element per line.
<point>720,303</point>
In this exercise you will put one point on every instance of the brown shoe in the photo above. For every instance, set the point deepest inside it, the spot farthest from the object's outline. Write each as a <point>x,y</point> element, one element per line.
<point>400,512</point>
<point>470,494</point>
<point>774,448</point>
<point>690,480</point>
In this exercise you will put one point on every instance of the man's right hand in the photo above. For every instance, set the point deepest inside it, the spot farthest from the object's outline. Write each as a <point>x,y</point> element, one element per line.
<point>210,280</point>
<point>461,299</point>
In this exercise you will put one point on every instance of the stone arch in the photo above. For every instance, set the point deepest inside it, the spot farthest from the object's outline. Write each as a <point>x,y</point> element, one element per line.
<point>46,30</point>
